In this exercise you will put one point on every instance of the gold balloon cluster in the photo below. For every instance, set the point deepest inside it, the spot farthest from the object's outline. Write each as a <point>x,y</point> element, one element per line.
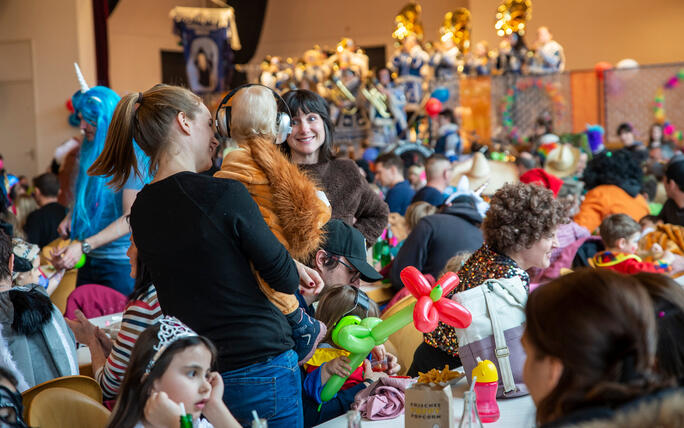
<point>456,27</point>
<point>512,17</point>
<point>407,22</point>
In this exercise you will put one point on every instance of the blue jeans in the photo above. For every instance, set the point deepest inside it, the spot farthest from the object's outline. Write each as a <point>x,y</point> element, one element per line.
<point>272,388</point>
<point>112,273</point>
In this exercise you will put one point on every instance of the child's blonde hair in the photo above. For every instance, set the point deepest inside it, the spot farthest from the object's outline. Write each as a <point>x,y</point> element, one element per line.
<point>455,263</point>
<point>253,113</point>
<point>24,205</point>
<point>416,211</point>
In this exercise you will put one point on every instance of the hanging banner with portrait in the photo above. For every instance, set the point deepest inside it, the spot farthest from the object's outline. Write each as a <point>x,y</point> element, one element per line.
<point>209,37</point>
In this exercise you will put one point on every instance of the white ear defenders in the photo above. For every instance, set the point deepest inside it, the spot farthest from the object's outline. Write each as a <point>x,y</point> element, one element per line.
<point>283,117</point>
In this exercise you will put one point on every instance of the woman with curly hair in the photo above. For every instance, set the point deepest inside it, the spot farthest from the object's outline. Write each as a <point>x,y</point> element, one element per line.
<point>519,233</point>
<point>613,181</point>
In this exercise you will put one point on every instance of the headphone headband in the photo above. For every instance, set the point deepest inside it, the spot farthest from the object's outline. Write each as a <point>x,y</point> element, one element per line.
<point>283,116</point>
<point>362,300</point>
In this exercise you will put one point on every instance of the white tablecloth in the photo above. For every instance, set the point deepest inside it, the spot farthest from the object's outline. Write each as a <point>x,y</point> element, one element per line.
<point>515,413</point>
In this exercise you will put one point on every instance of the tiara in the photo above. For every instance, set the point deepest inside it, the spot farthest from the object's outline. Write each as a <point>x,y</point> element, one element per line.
<point>170,330</point>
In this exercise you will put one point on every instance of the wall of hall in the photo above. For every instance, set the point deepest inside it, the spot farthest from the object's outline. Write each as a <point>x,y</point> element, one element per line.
<point>39,42</point>
<point>293,26</point>
<point>138,31</point>
<point>593,31</point>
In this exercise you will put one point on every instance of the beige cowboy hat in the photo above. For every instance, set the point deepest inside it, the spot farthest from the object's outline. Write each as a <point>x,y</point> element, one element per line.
<point>481,171</point>
<point>562,161</point>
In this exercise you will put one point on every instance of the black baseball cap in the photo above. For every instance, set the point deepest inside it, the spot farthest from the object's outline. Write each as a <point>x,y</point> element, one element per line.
<point>344,240</point>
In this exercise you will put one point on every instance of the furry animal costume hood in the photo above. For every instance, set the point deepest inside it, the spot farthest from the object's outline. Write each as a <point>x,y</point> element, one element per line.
<point>287,198</point>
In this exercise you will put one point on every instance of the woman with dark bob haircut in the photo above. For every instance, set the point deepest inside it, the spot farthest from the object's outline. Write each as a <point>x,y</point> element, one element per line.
<point>310,147</point>
<point>520,233</point>
<point>590,340</point>
<point>614,181</point>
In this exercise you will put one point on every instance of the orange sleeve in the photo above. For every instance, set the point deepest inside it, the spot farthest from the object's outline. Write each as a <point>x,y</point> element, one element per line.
<point>591,211</point>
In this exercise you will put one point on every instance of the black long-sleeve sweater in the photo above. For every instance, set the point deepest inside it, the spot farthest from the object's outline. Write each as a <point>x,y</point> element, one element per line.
<point>198,236</point>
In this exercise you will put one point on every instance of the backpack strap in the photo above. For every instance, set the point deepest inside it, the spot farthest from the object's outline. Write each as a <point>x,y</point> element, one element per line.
<point>502,352</point>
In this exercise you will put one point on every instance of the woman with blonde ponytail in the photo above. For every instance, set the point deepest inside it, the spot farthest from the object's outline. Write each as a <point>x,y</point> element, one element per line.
<point>204,243</point>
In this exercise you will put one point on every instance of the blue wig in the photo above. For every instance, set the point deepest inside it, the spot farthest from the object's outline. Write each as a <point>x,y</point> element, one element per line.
<point>95,203</point>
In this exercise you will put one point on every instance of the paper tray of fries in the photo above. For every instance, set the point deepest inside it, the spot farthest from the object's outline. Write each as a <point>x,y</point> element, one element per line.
<point>429,400</point>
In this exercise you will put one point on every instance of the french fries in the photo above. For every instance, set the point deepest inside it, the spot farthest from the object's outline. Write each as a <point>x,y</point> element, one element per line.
<point>439,376</point>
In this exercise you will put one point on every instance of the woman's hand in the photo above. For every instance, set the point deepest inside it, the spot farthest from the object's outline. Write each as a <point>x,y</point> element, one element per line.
<point>84,331</point>
<point>161,411</point>
<point>369,374</point>
<point>310,282</point>
<point>339,366</point>
<point>66,257</point>
<point>64,228</point>
<point>104,340</point>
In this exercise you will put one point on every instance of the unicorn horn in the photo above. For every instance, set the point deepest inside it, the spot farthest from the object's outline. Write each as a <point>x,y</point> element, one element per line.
<point>81,79</point>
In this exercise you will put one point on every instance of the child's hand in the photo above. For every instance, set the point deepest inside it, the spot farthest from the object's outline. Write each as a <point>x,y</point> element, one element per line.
<point>393,365</point>
<point>656,249</point>
<point>339,366</point>
<point>369,374</point>
<point>215,410</point>
<point>216,382</point>
<point>161,411</point>
<point>379,353</point>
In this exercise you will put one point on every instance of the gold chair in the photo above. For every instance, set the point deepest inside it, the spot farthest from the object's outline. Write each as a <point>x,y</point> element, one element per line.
<point>68,282</point>
<point>64,288</point>
<point>66,408</point>
<point>406,340</point>
<point>82,384</point>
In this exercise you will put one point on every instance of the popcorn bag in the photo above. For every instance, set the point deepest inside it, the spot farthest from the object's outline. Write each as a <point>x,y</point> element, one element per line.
<point>428,405</point>
<point>429,401</point>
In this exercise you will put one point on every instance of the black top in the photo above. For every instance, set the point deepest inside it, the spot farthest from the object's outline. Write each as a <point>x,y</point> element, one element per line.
<point>197,235</point>
<point>671,213</point>
<point>41,225</point>
<point>438,237</point>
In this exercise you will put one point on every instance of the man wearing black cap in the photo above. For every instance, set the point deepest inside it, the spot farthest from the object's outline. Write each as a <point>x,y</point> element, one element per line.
<point>342,258</point>
<point>673,210</point>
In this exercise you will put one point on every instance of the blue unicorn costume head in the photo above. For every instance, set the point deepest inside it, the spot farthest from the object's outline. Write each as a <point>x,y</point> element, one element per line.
<point>95,203</point>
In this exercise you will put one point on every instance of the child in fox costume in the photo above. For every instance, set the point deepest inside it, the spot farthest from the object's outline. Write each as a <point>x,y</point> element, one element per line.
<point>291,204</point>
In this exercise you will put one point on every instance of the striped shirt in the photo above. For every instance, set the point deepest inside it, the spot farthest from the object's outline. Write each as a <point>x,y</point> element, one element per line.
<point>138,315</point>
